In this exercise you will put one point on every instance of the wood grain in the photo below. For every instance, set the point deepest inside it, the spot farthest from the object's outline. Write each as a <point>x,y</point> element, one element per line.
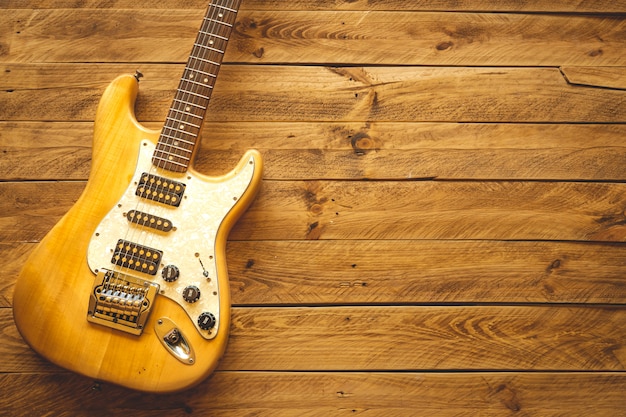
<point>350,150</point>
<point>328,210</point>
<point>580,6</point>
<point>375,338</point>
<point>441,225</point>
<point>406,272</point>
<point>285,93</point>
<point>322,37</point>
<point>322,394</point>
<point>596,76</point>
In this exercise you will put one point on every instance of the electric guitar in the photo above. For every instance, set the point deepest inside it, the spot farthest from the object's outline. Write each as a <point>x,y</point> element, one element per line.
<point>131,286</point>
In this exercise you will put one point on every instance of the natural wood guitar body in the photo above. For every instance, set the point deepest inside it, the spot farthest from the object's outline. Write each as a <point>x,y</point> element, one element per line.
<point>52,292</point>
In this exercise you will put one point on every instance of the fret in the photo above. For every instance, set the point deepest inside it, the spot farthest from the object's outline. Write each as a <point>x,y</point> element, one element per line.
<point>184,132</point>
<point>218,21</point>
<point>169,161</point>
<point>171,156</point>
<point>206,60</point>
<point>169,151</point>
<point>209,48</point>
<point>180,121</point>
<point>203,84</point>
<point>178,148</point>
<point>215,35</point>
<point>195,116</point>
<point>224,7</point>
<point>208,74</point>
<point>177,139</point>
<point>194,94</point>
<point>190,104</point>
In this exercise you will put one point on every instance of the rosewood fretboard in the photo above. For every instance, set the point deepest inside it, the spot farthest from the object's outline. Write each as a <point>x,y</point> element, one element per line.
<point>180,133</point>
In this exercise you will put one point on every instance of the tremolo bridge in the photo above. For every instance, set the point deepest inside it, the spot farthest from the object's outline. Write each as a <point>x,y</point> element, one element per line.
<point>121,301</point>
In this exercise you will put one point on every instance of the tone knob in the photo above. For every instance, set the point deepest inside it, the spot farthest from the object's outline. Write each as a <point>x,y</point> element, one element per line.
<point>191,294</point>
<point>206,321</point>
<point>170,273</point>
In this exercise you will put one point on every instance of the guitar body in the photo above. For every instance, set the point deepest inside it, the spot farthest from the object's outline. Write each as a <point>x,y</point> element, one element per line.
<point>65,316</point>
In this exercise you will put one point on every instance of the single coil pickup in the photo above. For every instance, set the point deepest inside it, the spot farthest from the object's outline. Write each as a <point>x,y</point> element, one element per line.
<point>121,301</point>
<point>162,190</point>
<point>137,257</point>
<point>149,220</point>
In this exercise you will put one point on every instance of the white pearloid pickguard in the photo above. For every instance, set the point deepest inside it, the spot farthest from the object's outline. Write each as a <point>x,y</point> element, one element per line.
<point>190,246</point>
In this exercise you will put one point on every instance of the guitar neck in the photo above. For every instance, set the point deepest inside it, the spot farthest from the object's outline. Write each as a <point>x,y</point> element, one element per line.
<point>181,131</point>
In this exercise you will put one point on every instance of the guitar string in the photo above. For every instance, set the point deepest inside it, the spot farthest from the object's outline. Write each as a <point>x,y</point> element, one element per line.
<point>189,69</point>
<point>166,144</point>
<point>207,31</point>
<point>187,89</point>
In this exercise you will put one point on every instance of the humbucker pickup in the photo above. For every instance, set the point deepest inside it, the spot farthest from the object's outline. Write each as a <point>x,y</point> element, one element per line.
<point>162,190</point>
<point>138,257</point>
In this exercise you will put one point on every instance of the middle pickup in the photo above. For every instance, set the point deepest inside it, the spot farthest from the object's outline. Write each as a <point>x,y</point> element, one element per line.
<point>149,220</point>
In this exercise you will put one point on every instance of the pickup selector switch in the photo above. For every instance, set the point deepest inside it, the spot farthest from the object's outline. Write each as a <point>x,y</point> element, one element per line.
<point>191,294</point>
<point>206,321</point>
<point>170,273</point>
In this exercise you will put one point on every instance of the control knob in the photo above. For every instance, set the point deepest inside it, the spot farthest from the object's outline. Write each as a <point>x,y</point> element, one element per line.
<point>206,321</point>
<point>191,294</point>
<point>170,273</point>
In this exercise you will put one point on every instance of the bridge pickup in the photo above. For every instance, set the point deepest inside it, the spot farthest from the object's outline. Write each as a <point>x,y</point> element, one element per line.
<point>134,256</point>
<point>121,301</point>
<point>162,190</point>
<point>149,220</point>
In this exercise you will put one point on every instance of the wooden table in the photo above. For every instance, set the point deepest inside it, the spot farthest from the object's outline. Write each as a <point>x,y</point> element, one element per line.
<point>441,225</point>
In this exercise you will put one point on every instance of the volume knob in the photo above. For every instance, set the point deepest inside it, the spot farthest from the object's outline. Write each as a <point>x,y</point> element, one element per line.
<point>170,273</point>
<point>206,321</point>
<point>191,294</point>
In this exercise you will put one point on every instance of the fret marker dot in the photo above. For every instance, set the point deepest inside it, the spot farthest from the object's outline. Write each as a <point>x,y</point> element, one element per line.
<point>190,75</point>
<point>211,42</point>
<point>221,15</point>
<point>206,80</point>
<point>187,108</point>
<point>182,127</point>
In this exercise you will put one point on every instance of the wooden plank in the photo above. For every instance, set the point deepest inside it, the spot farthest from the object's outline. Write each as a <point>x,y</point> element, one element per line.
<point>17,355</point>
<point>537,338</point>
<point>443,338</point>
<point>435,210</point>
<point>392,272</point>
<point>397,262</point>
<point>304,151</point>
<point>579,6</point>
<point>596,76</point>
<point>321,37</point>
<point>32,209</point>
<point>59,151</point>
<point>285,93</point>
<point>14,256</point>
<point>328,210</point>
<point>404,338</point>
<point>322,394</point>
